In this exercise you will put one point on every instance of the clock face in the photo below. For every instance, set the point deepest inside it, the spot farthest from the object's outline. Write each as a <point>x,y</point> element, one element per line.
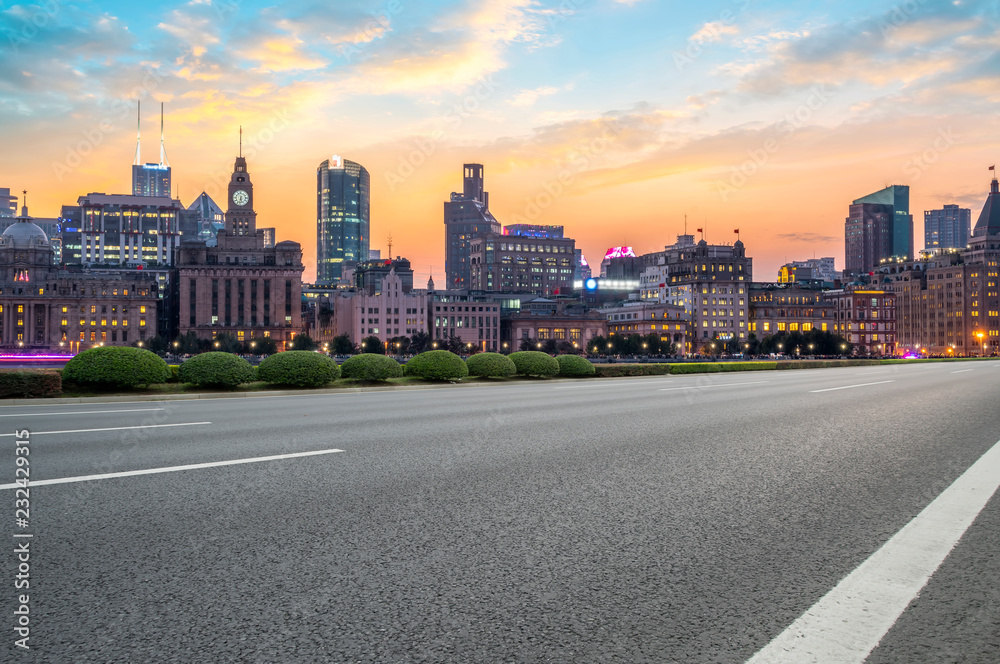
<point>241,197</point>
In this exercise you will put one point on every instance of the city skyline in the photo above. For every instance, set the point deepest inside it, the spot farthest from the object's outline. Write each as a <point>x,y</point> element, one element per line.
<point>612,119</point>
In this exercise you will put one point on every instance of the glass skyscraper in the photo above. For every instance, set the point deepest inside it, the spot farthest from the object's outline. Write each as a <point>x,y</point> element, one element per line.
<point>343,217</point>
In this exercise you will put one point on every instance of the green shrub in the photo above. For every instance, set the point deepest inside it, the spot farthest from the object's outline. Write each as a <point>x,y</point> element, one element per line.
<point>216,369</point>
<point>116,366</point>
<point>534,363</point>
<point>301,368</point>
<point>175,373</point>
<point>371,366</point>
<point>575,366</point>
<point>615,370</point>
<point>749,366</point>
<point>29,384</point>
<point>437,365</point>
<point>491,365</point>
<point>822,364</point>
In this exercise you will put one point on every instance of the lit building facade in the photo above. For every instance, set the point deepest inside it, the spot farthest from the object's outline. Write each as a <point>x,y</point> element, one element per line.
<point>474,318</point>
<point>866,317</point>
<point>947,228</point>
<point>668,322</point>
<point>43,308</point>
<point>343,217</point>
<point>466,217</point>
<point>239,286</point>
<point>789,309</point>
<point>122,230</point>
<point>878,227</point>
<point>541,320</point>
<point>540,265</point>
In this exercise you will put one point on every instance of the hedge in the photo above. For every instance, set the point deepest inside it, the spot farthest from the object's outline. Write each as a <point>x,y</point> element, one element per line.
<point>491,365</point>
<point>116,366</point>
<point>534,363</point>
<point>216,369</point>
<point>28,384</point>
<point>575,366</point>
<point>175,373</point>
<point>371,366</point>
<point>437,365</point>
<point>614,370</point>
<point>301,368</point>
<point>823,364</point>
<point>716,367</point>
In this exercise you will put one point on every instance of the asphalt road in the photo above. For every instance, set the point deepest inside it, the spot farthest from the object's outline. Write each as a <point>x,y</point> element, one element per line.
<point>658,519</point>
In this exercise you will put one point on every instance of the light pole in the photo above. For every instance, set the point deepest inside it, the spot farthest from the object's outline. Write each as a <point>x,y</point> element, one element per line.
<point>982,346</point>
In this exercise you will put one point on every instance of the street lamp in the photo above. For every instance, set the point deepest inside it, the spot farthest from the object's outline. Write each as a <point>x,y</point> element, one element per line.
<point>983,346</point>
<point>433,345</point>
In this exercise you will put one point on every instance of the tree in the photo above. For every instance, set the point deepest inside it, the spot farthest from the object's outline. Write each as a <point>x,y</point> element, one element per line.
<point>566,348</point>
<point>262,346</point>
<point>187,344</point>
<point>157,344</point>
<point>549,346</point>
<point>342,345</point>
<point>598,345</point>
<point>420,342</point>
<point>303,342</point>
<point>526,344</point>
<point>226,343</point>
<point>399,345</point>
<point>455,345</point>
<point>372,344</point>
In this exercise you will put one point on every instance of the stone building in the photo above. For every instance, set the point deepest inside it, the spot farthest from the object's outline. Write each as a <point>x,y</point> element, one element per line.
<point>43,308</point>
<point>775,309</point>
<point>240,286</point>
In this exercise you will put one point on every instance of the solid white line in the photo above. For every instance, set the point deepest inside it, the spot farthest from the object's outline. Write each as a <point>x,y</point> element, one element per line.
<point>961,371</point>
<point>847,387</point>
<point>84,412</point>
<point>168,469</point>
<point>699,387</point>
<point>144,426</point>
<point>849,621</point>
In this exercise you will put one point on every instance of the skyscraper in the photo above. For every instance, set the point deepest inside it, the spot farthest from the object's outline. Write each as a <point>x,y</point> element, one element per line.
<point>150,179</point>
<point>343,217</point>
<point>466,217</point>
<point>947,228</point>
<point>879,226</point>
<point>8,203</point>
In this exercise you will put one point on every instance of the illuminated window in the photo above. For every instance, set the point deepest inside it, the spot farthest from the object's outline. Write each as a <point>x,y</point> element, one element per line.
<point>142,322</point>
<point>20,308</point>
<point>65,322</point>
<point>93,309</point>
<point>142,309</point>
<point>114,322</point>
<point>64,309</point>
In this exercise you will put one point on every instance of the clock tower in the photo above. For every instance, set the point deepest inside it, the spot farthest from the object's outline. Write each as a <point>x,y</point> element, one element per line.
<point>241,220</point>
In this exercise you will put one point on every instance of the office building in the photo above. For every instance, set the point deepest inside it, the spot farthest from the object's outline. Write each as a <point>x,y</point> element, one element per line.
<point>570,325</point>
<point>45,308</point>
<point>343,217</point>
<point>116,229</point>
<point>812,269</point>
<point>370,275</point>
<point>472,318</point>
<point>878,228</point>
<point>239,286</point>
<point>150,179</point>
<point>466,217</point>
<point>208,218</point>
<point>8,203</point>
<point>791,308</point>
<point>667,321</point>
<point>865,315</point>
<point>947,228</point>
<point>539,265</point>
<point>533,230</point>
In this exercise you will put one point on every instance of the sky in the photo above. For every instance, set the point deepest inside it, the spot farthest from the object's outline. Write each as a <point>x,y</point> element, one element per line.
<point>613,118</point>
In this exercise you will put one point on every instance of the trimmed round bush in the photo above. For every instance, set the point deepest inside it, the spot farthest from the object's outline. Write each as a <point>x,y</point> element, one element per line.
<point>116,366</point>
<point>534,363</point>
<point>437,365</point>
<point>371,366</point>
<point>216,369</point>
<point>301,368</point>
<point>490,365</point>
<point>575,366</point>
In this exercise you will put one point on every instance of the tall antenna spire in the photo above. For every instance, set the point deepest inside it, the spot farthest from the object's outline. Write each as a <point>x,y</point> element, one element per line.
<point>241,140</point>
<point>163,153</point>
<point>390,247</point>
<point>138,119</point>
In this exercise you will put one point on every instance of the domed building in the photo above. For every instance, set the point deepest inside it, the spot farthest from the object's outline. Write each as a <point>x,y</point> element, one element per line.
<point>45,308</point>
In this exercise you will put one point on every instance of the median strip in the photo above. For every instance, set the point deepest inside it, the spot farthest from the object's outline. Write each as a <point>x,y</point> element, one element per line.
<point>847,387</point>
<point>849,621</point>
<point>168,469</point>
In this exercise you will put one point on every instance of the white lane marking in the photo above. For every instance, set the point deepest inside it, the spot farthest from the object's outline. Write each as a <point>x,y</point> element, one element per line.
<point>169,469</point>
<point>84,412</point>
<point>700,387</point>
<point>601,383</point>
<point>847,387</point>
<point>144,426</point>
<point>849,621</point>
<point>961,371</point>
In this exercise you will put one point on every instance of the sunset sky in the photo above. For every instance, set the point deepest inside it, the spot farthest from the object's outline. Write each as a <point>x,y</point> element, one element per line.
<point>614,118</point>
